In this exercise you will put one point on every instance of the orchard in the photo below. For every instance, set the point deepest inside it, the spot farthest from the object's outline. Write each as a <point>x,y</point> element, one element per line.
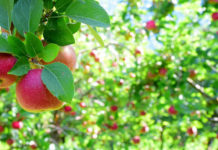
<point>108,75</point>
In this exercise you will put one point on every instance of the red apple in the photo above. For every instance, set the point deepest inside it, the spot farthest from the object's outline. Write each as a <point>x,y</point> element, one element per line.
<point>151,25</point>
<point>114,64</point>
<point>97,59</point>
<point>33,95</point>
<point>67,108</point>
<point>121,82</point>
<point>114,126</point>
<point>215,16</point>
<point>92,54</point>
<point>17,124</point>
<point>144,129</point>
<point>136,140</point>
<point>137,52</point>
<point>192,73</point>
<point>73,113</point>
<point>172,110</point>
<point>142,113</point>
<point>7,62</point>
<point>1,128</point>
<point>10,141</point>
<point>114,108</point>
<point>192,131</point>
<point>162,71</point>
<point>82,104</point>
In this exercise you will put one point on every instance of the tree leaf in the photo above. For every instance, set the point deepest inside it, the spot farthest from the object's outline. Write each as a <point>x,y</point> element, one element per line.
<point>61,5</point>
<point>6,7</point>
<point>74,27</point>
<point>17,46</point>
<point>4,46</point>
<point>26,15</point>
<point>33,45</point>
<point>96,35</point>
<point>88,12</point>
<point>21,67</point>
<point>57,32</point>
<point>50,52</point>
<point>59,80</point>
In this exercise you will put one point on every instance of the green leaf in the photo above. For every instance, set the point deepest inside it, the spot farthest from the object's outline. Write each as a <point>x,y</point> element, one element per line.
<point>96,35</point>
<point>48,4</point>
<point>50,52</point>
<point>4,46</point>
<point>57,32</point>
<point>88,12</point>
<point>74,27</point>
<point>17,46</point>
<point>6,7</point>
<point>61,5</point>
<point>33,45</point>
<point>21,67</point>
<point>26,15</point>
<point>59,80</point>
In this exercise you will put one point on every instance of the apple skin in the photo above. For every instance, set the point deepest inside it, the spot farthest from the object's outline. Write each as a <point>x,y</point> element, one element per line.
<point>67,109</point>
<point>192,131</point>
<point>172,110</point>
<point>66,56</point>
<point>162,71</point>
<point>144,129</point>
<point>136,140</point>
<point>10,141</point>
<point>142,113</point>
<point>151,25</point>
<point>7,62</point>
<point>114,126</point>
<point>32,94</point>
<point>114,108</point>
<point>82,104</point>
<point>17,124</point>
<point>1,129</point>
<point>215,16</point>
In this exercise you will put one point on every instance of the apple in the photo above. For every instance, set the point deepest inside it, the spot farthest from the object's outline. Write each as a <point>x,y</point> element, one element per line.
<point>67,108</point>
<point>151,25</point>
<point>151,75</point>
<point>92,54</point>
<point>10,141</point>
<point>136,139</point>
<point>73,113</point>
<point>121,82</point>
<point>17,124</point>
<point>114,108</point>
<point>142,113</point>
<point>114,64</point>
<point>192,131</point>
<point>192,73</point>
<point>97,59</point>
<point>215,16</point>
<point>162,71</point>
<point>132,75</point>
<point>66,56</point>
<point>137,52</point>
<point>7,62</point>
<point>1,129</point>
<point>33,95</point>
<point>114,126</point>
<point>172,110</point>
<point>82,104</point>
<point>144,129</point>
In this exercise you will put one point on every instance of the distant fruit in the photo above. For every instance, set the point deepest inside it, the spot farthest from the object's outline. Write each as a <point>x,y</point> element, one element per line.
<point>136,140</point>
<point>17,124</point>
<point>114,108</point>
<point>215,16</point>
<point>192,131</point>
<point>10,141</point>
<point>172,110</point>
<point>151,25</point>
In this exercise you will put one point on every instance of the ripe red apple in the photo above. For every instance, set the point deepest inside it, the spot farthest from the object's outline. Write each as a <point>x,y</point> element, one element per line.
<point>114,64</point>
<point>215,16</point>
<point>1,128</point>
<point>114,108</point>
<point>142,113</point>
<point>136,140</point>
<point>162,71</point>
<point>97,59</point>
<point>192,131</point>
<point>151,25</point>
<point>17,124</point>
<point>92,54</point>
<point>137,52</point>
<point>66,56</point>
<point>82,104</point>
<point>144,129</point>
<point>67,108</point>
<point>73,113</point>
<point>7,62</point>
<point>33,95</point>
<point>121,82</point>
<point>192,73</point>
<point>172,110</point>
<point>114,126</point>
<point>10,141</point>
